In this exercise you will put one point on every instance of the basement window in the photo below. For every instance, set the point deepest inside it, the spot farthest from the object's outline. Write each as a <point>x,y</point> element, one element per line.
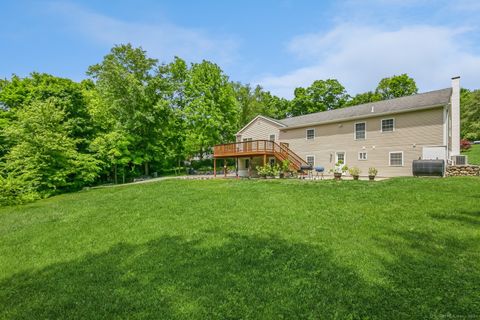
<point>396,159</point>
<point>362,155</point>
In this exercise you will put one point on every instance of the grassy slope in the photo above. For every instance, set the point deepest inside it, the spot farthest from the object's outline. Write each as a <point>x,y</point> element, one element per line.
<point>473,154</point>
<point>402,248</point>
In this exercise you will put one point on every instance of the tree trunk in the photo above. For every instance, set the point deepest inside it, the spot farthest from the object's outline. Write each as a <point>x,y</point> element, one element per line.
<point>146,169</point>
<point>115,172</point>
<point>123,175</point>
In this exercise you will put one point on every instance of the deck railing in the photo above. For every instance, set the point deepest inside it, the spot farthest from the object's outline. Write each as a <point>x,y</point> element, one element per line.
<point>259,147</point>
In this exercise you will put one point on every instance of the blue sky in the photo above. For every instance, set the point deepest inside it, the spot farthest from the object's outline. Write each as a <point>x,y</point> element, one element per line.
<point>278,44</point>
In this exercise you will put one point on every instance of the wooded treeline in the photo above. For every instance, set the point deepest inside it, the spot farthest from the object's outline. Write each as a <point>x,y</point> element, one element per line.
<point>134,116</point>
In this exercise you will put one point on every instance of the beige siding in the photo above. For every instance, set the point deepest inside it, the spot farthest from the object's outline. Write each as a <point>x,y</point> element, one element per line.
<point>259,129</point>
<point>413,130</point>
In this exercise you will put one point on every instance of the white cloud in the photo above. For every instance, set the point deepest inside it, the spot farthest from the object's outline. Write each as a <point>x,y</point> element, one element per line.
<point>359,56</point>
<point>162,40</point>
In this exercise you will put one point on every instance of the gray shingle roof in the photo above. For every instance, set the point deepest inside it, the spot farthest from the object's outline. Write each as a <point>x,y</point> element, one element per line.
<point>403,104</point>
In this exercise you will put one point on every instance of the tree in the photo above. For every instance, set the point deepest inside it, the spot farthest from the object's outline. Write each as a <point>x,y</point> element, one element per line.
<point>171,79</point>
<point>396,86</point>
<point>470,114</point>
<point>255,101</point>
<point>211,111</point>
<point>19,93</point>
<point>322,95</point>
<point>365,97</point>
<point>44,156</point>
<point>126,82</point>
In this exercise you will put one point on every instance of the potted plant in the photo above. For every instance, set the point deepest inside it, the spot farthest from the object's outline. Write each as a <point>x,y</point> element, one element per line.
<point>284,168</point>
<point>372,172</point>
<point>338,170</point>
<point>354,172</point>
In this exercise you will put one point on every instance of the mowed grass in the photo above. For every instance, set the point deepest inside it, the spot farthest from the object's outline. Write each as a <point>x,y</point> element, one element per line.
<point>267,249</point>
<point>473,154</point>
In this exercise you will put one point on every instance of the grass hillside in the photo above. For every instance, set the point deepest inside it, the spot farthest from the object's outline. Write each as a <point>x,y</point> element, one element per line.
<point>473,154</point>
<point>396,249</point>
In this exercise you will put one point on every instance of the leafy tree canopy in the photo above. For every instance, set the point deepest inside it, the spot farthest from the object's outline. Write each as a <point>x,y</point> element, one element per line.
<point>211,110</point>
<point>470,114</point>
<point>322,95</point>
<point>396,87</point>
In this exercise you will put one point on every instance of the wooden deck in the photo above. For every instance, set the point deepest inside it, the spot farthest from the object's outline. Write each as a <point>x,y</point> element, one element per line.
<point>259,148</point>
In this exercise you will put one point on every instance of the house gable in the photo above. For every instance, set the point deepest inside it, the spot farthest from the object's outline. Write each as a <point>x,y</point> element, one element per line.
<point>260,128</point>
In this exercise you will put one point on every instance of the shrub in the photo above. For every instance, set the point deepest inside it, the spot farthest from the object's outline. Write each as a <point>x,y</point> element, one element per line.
<point>264,171</point>
<point>274,170</point>
<point>339,167</point>
<point>465,144</point>
<point>16,191</point>
<point>372,171</point>
<point>285,166</point>
<point>354,171</point>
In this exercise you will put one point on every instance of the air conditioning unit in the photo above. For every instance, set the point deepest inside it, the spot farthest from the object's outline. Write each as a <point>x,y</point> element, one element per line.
<point>459,160</point>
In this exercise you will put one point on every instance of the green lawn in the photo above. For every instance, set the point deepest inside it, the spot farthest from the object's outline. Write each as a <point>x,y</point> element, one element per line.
<point>396,249</point>
<point>473,154</point>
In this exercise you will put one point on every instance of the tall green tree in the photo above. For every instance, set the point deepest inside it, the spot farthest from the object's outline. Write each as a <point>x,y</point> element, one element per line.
<point>170,80</point>
<point>322,95</point>
<point>126,82</point>
<point>470,114</point>
<point>396,87</point>
<point>211,111</point>
<point>44,155</point>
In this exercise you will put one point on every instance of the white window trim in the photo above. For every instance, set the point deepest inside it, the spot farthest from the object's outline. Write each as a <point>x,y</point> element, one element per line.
<point>344,156</point>
<point>355,130</point>
<point>306,133</point>
<point>275,137</point>
<point>381,125</point>
<point>390,162</point>
<point>310,155</point>
<point>366,156</point>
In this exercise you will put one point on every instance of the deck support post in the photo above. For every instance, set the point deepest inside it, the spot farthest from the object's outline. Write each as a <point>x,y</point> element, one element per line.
<point>250,167</point>
<point>236,167</point>
<point>224,168</point>
<point>214,167</point>
<point>264,159</point>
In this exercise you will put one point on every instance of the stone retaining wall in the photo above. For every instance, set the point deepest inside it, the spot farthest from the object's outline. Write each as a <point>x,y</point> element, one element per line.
<point>467,170</point>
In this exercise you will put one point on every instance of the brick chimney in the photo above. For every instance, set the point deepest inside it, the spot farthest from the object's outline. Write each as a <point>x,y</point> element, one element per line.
<point>455,114</point>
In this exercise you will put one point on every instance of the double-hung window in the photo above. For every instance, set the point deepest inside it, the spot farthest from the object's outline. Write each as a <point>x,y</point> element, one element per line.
<point>310,134</point>
<point>360,130</point>
<point>388,125</point>
<point>310,160</point>
<point>396,159</point>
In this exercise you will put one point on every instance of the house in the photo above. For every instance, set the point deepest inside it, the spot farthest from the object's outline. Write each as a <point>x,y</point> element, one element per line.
<point>387,135</point>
